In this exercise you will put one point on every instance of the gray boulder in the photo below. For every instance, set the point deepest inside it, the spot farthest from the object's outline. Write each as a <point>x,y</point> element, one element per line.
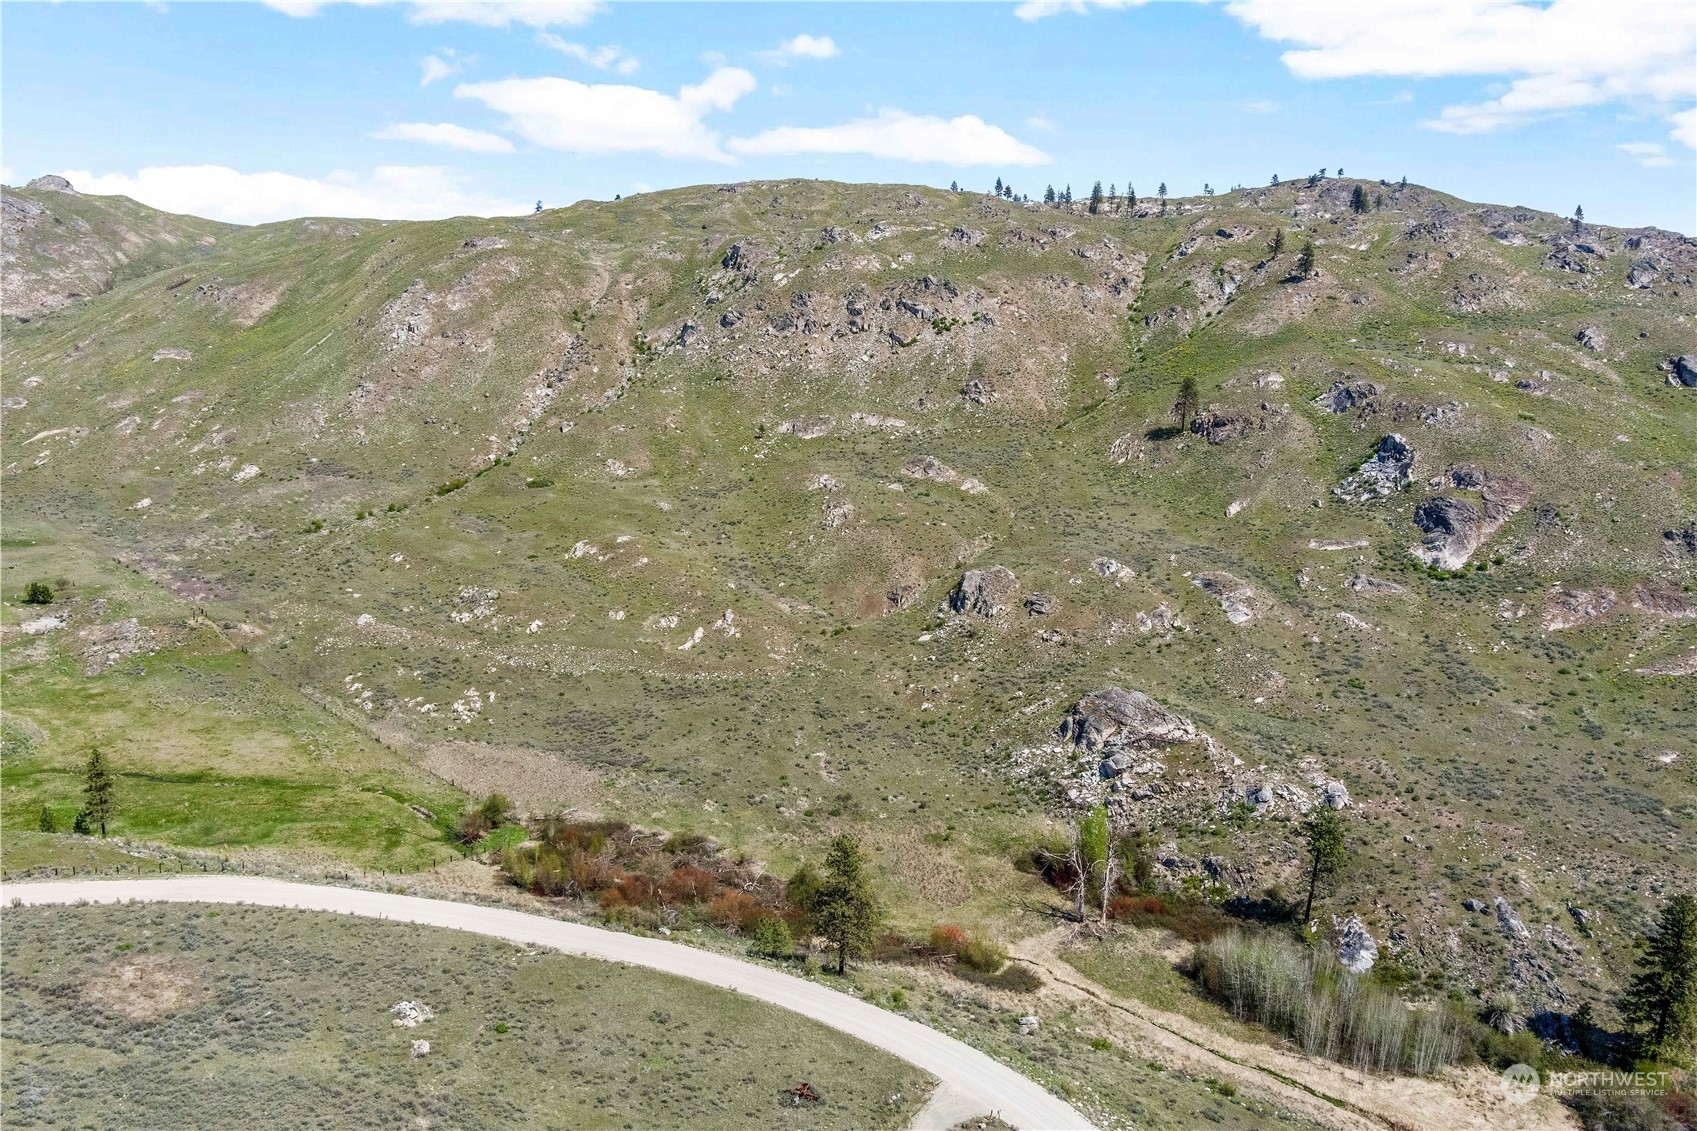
<point>1683,371</point>
<point>1259,795</point>
<point>986,592</point>
<point>1357,949</point>
<point>687,333</point>
<point>1592,338</point>
<point>1335,795</point>
<point>1041,605</point>
<point>1473,905</point>
<point>1114,718</point>
<point>1509,921</point>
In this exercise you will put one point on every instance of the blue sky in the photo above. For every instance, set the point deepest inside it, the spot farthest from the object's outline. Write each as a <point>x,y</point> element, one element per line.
<point>257,112</point>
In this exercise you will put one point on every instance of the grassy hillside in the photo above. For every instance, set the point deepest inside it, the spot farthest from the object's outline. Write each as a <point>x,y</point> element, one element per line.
<point>653,508</point>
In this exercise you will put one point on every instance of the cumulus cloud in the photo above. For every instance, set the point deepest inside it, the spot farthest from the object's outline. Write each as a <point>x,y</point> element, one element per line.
<point>445,134</point>
<point>898,136</point>
<point>1685,127</point>
<point>806,47</point>
<point>1559,56</point>
<point>614,118</point>
<point>485,13</point>
<point>602,58</point>
<point>389,192</point>
<point>434,68</point>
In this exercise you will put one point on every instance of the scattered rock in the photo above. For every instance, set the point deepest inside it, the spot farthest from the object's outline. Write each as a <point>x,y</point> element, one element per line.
<point>172,353</point>
<point>1592,338</point>
<point>419,1049</point>
<point>834,235</point>
<point>1112,570</point>
<point>1356,948</point>
<point>1113,718</point>
<point>808,428</point>
<point>1474,905</point>
<point>1375,587</point>
<point>1386,471</point>
<point>1335,795</point>
<point>1569,608</point>
<point>978,390</point>
<point>1028,1025</point>
<point>688,332</point>
<point>1662,599</point>
<point>41,626</point>
<point>1041,605</point>
<point>1259,795</point>
<point>1682,370</point>
<point>1339,544</point>
<point>986,592</point>
<point>409,1014</point>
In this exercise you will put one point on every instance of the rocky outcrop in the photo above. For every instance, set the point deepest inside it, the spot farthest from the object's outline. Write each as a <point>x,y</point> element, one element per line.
<point>1569,608</point>
<point>986,592</point>
<point>1662,599</point>
<point>1347,396</point>
<point>1374,586</point>
<point>1592,338</point>
<point>1356,947</point>
<point>1113,719</point>
<point>1383,473</point>
<point>1235,596</point>
<point>1509,921</point>
<point>808,428</point>
<point>1682,370</point>
<point>1042,605</point>
<point>52,183</point>
<point>1454,528</point>
<point>1335,795</point>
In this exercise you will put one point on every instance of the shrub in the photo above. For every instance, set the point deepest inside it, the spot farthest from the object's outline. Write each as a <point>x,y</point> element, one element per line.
<point>689,884</point>
<point>984,955</point>
<point>736,909</point>
<point>946,938</point>
<point>772,938</point>
<point>47,822</point>
<point>38,593</point>
<point>450,487</point>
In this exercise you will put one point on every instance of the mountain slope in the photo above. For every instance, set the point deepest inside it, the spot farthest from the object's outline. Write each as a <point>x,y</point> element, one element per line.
<point>665,502</point>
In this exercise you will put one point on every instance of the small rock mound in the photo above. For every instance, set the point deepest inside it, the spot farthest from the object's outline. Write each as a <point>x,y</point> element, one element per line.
<point>1385,472</point>
<point>1114,718</point>
<point>52,183</point>
<point>1235,596</point>
<point>986,592</point>
<point>1347,396</point>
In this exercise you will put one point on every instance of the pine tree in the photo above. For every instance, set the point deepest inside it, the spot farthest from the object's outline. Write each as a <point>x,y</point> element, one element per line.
<point>97,790</point>
<point>1130,197</point>
<point>1096,198</point>
<point>1277,243</point>
<point>1358,199</point>
<point>1340,170</point>
<point>1323,830</point>
<point>998,190</point>
<point>1162,192</point>
<point>46,822</point>
<point>1207,189</point>
<point>1049,195</point>
<point>1113,191</point>
<point>1189,400</point>
<point>1275,180</point>
<point>954,186</point>
<point>1663,994</point>
<point>846,911</point>
<point>538,207</point>
<point>1066,195</point>
<point>1578,217</point>
<point>1305,260</point>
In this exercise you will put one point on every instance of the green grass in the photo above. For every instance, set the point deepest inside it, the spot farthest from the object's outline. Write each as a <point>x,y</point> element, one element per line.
<point>289,1011</point>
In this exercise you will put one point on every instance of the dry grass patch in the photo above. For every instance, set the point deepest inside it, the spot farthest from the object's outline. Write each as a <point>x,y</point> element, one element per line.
<point>145,988</point>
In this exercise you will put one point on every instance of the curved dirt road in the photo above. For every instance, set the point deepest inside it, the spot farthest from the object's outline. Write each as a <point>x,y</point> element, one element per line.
<point>970,1083</point>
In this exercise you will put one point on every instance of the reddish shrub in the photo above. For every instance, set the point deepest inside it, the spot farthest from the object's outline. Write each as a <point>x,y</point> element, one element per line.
<point>946,938</point>
<point>637,889</point>
<point>736,909</point>
<point>611,898</point>
<point>1153,906</point>
<point>1122,907</point>
<point>689,884</point>
<point>594,873</point>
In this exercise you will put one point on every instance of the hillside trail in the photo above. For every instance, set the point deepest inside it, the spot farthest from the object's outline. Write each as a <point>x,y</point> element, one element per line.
<point>1321,1090</point>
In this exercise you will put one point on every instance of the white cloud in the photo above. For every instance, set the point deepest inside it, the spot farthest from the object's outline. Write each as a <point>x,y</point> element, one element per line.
<point>1650,154</point>
<point>445,134</point>
<point>1260,106</point>
<point>486,13</point>
<point>1040,122</point>
<point>806,47</point>
<point>434,68</point>
<point>502,13</point>
<point>609,118</point>
<point>601,58</point>
<point>1559,56</point>
<point>389,192</point>
<point>898,136</point>
<point>1685,127</point>
<point>1037,9</point>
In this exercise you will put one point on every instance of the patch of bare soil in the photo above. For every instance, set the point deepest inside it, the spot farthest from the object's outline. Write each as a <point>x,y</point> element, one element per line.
<point>145,988</point>
<point>535,780</point>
